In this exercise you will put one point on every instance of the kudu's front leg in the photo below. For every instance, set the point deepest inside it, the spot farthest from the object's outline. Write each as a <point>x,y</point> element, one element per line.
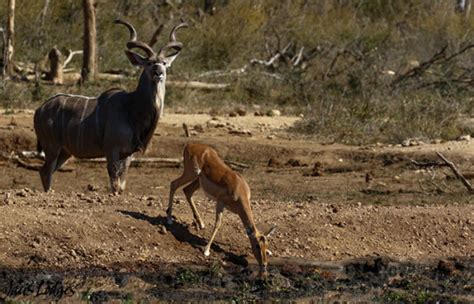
<point>47,170</point>
<point>125,163</point>
<point>117,169</point>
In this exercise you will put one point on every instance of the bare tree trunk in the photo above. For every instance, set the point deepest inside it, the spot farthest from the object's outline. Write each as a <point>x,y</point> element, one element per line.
<point>4,53</point>
<point>8,59</point>
<point>44,11</point>
<point>209,7</point>
<point>56,64</point>
<point>463,6</point>
<point>89,62</point>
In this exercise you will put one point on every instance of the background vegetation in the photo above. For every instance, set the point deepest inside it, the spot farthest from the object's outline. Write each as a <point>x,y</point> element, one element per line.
<point>370,70</point>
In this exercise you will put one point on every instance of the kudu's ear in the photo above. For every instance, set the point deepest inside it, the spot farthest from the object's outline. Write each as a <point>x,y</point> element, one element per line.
<point>135,58</point>
<point>270,231</point>
<point>169,59</point>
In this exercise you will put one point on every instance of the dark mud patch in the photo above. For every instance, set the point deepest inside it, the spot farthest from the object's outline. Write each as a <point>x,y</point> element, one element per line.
<point>369,279</point>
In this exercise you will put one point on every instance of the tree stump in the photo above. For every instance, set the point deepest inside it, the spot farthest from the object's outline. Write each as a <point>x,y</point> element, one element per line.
<point>56,62</point>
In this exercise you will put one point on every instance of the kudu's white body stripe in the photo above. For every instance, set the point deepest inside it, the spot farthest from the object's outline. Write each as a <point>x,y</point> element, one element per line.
<point>71,95</point>
<point>80,132</point>
<point>122,123</point>
<point>97,126</point>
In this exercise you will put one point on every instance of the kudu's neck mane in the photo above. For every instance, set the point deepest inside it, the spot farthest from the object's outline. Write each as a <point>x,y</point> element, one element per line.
<point>145,109</point>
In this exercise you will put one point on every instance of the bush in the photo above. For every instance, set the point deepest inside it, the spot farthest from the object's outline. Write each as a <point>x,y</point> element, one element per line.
<point>353,51</point>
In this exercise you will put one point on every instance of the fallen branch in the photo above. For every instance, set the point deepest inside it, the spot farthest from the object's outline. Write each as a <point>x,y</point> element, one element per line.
<point>221,73</point>
<point>198,85</point>
<point>236,164</point>
<point>270,61</point>
<point>285,169</point>
<point>458,174</point>
<point>70,56</point>
<point>136,161</point>
<point>441,54</point>
<point>427,164</point>
<point>171,161</point>
<point>237,72</point>
<point>438,58</point>
<point>21,163</point>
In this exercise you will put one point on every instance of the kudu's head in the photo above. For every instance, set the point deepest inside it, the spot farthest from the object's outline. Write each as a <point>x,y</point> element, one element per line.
<point>260,245</point>
<point>154,64</point>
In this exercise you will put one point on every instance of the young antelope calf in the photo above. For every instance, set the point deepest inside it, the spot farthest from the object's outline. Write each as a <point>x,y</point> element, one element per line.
<point>204,168</point>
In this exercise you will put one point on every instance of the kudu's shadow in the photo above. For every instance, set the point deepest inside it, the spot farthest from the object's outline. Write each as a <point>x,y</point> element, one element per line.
<point>182,234</point>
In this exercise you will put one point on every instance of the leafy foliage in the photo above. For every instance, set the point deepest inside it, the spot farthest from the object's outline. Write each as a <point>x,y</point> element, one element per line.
<point>351,53</point>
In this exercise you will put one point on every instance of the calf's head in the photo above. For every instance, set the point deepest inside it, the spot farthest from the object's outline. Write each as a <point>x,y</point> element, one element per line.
<point>260,250</point>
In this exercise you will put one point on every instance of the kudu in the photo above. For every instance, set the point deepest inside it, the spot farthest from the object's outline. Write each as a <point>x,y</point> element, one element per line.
<point>203,168</point>
<point>116,124</point>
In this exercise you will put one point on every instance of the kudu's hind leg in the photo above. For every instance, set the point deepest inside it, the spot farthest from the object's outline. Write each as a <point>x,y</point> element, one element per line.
<point>49,166</point>
<point>188,192</point>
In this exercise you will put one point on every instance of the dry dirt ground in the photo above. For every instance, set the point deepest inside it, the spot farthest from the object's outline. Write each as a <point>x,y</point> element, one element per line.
<point>352,222</point>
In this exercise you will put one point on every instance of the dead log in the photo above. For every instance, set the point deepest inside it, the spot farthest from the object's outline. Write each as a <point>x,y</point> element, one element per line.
<point>170,161</point>
<point>197,85</point>
<point>24,164</point>
<point>174,162</point>
<point>456,172</point>
<point>36,167</point>
<point>112,77</point>
<point>427,164</point>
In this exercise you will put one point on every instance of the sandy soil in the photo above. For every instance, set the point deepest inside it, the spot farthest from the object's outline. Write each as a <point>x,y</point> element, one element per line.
<point>330,203</point>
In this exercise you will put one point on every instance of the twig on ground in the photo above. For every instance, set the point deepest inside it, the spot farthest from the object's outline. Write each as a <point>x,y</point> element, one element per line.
<point>186,130</point>
<point>456,171</point>
<point>427,164</point>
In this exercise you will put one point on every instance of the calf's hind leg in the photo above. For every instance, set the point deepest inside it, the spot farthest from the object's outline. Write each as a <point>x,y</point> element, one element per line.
<point>188,192</point>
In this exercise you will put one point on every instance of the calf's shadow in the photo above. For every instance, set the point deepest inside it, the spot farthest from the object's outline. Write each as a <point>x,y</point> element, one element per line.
<point>182,234</point>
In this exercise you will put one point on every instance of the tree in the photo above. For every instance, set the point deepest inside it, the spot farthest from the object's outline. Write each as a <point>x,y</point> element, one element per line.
<point>463,6</point>
<point>8,48</point>
<point>89,60</point>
